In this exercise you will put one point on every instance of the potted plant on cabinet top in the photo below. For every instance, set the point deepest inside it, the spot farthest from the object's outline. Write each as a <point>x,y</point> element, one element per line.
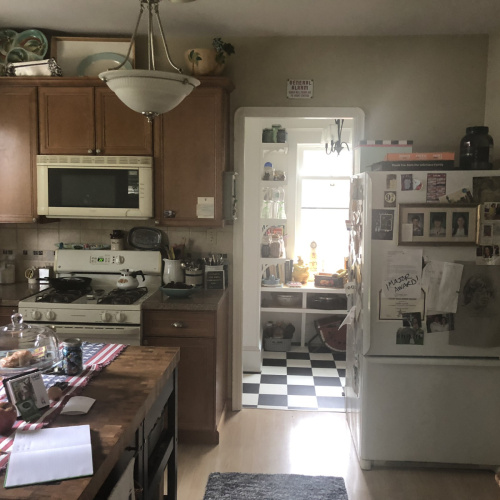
<point>209,62</point>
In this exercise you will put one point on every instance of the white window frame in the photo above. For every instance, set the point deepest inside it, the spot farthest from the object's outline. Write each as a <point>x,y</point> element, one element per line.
<point>301,148</point>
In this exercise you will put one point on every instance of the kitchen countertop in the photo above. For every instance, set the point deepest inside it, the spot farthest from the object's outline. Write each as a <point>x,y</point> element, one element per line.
<point>10,295</point>
<point>200,300</point>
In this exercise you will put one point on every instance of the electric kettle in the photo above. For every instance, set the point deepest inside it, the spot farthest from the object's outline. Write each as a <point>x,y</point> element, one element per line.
<point>128,279</point>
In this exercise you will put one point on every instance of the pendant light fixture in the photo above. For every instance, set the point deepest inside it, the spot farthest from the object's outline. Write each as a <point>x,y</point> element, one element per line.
<point>149,92</point>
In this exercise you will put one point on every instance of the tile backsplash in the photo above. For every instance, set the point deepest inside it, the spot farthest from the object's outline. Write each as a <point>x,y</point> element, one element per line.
<point>35,244</point>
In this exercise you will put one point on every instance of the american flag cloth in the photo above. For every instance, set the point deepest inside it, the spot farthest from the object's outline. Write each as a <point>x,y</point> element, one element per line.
<point>95,358</point>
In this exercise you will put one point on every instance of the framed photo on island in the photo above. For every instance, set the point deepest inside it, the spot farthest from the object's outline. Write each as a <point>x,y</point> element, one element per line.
<point>438,224</point>
<point>28,393</point>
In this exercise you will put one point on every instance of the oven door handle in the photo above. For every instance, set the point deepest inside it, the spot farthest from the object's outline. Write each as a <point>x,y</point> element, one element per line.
<point>177,324</point>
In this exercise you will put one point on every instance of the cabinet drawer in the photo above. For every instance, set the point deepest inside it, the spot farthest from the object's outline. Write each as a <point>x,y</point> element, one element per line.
<point>178,324</point>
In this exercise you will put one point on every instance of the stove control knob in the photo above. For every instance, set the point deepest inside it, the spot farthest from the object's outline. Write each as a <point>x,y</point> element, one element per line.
<point>105,316</point>
<point>120,317</point>
<point>36,314</point>
<point>50,315</point>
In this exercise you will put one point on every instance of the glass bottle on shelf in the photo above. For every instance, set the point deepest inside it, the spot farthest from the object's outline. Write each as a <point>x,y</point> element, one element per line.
<point>280,204</point>
<point>267,204</point>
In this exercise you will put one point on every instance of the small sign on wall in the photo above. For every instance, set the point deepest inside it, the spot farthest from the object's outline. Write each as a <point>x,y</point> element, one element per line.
<point>299,89</point>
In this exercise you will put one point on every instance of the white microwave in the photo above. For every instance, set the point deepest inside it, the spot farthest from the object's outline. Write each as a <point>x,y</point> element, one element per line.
<point>109,187</point>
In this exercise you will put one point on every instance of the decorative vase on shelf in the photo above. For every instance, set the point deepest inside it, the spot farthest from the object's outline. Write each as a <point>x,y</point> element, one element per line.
<point>209,62</point>
<point>202,62</point>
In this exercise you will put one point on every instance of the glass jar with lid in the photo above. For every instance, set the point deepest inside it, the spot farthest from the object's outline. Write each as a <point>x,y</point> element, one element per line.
<point>25,347</point>
<point>476,149</point>
<point>277,246</point>
<point>265,246</point>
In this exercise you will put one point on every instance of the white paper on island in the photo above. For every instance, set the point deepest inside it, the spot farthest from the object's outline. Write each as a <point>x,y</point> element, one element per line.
<point>47,455</point>
<point>78,405</point>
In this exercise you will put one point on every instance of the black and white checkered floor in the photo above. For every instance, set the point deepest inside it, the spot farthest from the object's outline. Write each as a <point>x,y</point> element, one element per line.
<point>297,380</point>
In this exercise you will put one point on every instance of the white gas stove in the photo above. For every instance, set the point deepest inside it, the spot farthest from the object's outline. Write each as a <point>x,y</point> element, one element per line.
<point>98,311</point>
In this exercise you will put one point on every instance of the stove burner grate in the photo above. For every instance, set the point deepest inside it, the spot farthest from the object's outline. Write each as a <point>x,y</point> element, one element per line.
<point>123,297</point>
<point>60,296</point>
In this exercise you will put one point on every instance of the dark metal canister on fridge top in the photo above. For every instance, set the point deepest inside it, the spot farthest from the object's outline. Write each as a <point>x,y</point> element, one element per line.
<point>476,149</point>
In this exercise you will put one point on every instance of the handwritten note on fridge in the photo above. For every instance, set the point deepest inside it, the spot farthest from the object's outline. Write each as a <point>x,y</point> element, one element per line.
<point>442,280</point>
<point>403,274</point>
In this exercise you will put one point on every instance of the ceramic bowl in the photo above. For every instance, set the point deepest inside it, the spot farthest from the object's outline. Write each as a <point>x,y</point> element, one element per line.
<point>179,293</point>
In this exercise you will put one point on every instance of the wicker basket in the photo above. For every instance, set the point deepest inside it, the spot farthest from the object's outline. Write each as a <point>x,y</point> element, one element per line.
<point>277,345</point>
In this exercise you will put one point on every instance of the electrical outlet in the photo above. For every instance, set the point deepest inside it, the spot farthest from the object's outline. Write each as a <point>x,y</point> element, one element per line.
<point>211,236</point>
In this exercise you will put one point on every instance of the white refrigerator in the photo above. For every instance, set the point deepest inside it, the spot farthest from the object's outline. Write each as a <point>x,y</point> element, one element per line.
<point>432,396</point>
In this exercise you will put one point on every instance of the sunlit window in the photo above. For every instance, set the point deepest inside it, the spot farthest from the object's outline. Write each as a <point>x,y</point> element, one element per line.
<point>323,198</point>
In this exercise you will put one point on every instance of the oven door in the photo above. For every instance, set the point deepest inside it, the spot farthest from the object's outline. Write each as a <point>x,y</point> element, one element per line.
<point>110,334</point>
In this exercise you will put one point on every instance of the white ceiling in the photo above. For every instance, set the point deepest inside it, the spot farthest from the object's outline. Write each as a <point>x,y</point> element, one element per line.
<point>231,18</point>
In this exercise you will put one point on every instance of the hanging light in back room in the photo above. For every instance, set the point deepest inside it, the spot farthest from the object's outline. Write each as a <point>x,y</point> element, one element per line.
<point>150,92</point>
<point>328,138</point>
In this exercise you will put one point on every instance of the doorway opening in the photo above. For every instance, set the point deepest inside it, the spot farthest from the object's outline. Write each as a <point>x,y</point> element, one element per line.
<point>311,191</point>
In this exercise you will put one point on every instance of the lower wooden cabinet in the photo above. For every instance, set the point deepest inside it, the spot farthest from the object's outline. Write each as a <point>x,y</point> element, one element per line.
<point>202,338</point>
<point>5,313</point>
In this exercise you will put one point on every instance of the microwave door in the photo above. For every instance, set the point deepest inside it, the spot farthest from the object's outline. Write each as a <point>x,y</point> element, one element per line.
<point>93,188</point>
<point>68,191</point>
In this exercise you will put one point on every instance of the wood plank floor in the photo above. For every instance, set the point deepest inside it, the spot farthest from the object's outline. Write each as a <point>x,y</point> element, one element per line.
<point>317,443</point>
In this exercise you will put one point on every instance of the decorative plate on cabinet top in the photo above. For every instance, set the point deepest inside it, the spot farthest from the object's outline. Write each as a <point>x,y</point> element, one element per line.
<point>6,41</point>
<point>97,63</point>
<point>32,41</point>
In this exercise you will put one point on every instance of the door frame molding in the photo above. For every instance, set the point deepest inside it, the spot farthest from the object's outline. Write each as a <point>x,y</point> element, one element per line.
<point>274,115</point>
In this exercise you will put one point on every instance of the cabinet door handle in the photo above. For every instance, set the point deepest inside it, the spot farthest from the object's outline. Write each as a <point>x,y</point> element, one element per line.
<point>89,151</point>
<point>177,324</point>
<point>98,151</point>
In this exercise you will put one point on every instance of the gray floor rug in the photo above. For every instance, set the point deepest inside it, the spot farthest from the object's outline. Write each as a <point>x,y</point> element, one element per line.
<point>237,486</point>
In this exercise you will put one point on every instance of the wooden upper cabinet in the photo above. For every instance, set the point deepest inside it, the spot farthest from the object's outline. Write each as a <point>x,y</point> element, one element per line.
<point>88,120</point>
<point>193,142</point>
<point>119,130</point>
<point>18,139</point>
<point>67,120</point>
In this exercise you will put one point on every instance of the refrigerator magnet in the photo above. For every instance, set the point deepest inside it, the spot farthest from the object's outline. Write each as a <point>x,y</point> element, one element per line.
<point>382,224</point>
<point>389,199</point>
<point>406,182</point>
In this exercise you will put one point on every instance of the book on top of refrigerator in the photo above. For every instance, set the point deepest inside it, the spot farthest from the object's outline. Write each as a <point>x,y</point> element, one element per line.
<point>419,156</point>
<point>409,165</point>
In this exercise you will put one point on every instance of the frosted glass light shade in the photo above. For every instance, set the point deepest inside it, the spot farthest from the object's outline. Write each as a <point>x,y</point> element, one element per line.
<point>149,92</point>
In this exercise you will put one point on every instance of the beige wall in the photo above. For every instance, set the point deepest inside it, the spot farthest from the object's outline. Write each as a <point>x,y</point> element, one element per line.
<point>492,115</point>
<point>428,89</point>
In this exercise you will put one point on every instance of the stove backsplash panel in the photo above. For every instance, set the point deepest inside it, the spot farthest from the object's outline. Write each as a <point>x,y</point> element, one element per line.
<point>34,245</point>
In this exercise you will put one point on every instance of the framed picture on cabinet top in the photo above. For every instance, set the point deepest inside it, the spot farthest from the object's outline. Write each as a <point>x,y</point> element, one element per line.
<point>84,56</point>
<point>437,224</point>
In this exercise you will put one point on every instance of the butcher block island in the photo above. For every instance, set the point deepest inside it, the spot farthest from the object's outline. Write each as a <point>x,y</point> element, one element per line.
<point>134,417</point>
<point>198,325</point>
